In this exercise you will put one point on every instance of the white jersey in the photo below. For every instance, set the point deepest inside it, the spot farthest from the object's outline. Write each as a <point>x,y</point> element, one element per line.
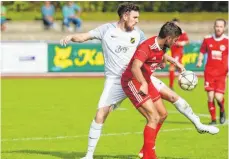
<point>118,47</point>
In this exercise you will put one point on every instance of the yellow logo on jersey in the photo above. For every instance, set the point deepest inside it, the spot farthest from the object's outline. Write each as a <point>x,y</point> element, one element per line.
<point>132,40</point>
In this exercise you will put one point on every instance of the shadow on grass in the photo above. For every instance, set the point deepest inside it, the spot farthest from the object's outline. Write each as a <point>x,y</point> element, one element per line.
<point>78,155</point>
<point>174,122</point>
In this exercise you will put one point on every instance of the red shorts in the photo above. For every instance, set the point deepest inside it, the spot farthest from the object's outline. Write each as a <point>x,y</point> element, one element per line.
<point>214,83</point>
<point>131,89</point>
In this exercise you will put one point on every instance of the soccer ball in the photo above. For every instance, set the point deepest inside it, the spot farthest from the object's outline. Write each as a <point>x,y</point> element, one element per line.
<point>187,80</point>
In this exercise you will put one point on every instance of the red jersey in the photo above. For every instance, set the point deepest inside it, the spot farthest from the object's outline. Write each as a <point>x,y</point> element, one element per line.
<point>150,54</point>
<point>217,50</point>
<point>178,50</point>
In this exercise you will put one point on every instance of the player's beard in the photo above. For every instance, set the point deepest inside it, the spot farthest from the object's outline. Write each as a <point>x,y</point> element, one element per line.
<point>218,34</point>
<point>129,28</point>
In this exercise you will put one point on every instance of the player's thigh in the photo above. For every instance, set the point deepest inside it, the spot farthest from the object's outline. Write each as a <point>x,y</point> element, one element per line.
<point>112,94</point>
<point>210,95</point>
<point>148,110</point>
<point>165,92</point>
<point>220,84</point>
<point>219,96</point>
<point>161,109</point>
<point>169,95</point>
<point>158,84</point>
<point>209,82</point>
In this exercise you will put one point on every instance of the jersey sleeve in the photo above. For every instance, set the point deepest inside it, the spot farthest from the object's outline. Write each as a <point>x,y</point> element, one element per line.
<point>99,32</point>
<point>203,47</point>
<point>184,37</point>
<point>142,37</point>
<point>141,54</point>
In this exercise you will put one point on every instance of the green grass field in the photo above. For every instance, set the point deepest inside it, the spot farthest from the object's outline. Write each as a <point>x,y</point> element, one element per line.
<point>50,119</point>
<point>110,16</point>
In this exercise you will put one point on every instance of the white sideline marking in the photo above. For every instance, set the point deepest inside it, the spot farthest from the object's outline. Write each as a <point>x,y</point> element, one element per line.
<point>110,134</point>
<point>81,136</point>
<point>121,109</point>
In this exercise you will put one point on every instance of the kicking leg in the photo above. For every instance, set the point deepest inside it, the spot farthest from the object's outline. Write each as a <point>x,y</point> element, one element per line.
<point>184,108</point>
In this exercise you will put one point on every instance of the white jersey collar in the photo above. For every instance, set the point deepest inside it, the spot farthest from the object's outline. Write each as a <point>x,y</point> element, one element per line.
<point>218,38</point>
<point>157,44</point>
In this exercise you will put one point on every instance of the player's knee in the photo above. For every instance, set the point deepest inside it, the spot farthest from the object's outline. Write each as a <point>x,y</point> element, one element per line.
<point>218,97</point>
<point>155,118</point>
<point>102,114</point>
<point>173,98</point>
<point>163,116</point>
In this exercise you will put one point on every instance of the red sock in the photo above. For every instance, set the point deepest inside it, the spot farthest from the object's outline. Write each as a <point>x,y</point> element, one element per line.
<point>158,128</point>
<point>149,143</point>
<point>156,132</point>
<point>211,108</point>
<point>171,78</point>
<point>221,105</point>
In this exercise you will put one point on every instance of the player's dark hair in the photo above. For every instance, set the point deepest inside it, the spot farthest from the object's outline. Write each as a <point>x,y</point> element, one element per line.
<point>170,29</point>
<point>221,19</point>
<point>175,20</point>
<point>127,7</point>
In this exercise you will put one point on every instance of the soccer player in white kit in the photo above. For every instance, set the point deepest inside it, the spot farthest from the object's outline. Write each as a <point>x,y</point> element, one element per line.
<point>119,42</point>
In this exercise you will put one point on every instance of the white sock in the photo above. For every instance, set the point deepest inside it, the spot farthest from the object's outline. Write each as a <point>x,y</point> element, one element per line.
<point>94,135</point>
<point>183,107</point>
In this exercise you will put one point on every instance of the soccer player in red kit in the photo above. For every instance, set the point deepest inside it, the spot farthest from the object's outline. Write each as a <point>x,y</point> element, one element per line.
<point>137,84</point>
<point>177,52</point>
<point>216,69</point>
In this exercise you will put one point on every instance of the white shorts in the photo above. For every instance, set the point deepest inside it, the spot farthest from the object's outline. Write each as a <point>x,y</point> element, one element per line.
<point>158,84</point>
<point>113,94</point>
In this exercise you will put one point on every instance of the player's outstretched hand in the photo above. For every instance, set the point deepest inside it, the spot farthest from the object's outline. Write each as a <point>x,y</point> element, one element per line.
<point>143,89</point>
<point>65,40</point>
<point>199,64</point>
<point>181,67</point>
<point>161,65</point>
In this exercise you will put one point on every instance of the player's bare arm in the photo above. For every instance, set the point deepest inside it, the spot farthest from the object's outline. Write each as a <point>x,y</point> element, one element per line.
<point>200,60</point>
<point>136,70</point>
<point>81,37</point>
<point>175,62</point>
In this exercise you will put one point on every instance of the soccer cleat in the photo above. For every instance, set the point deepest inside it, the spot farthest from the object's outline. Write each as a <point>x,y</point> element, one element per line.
<point>207,129</point>
<point>222,117</point>
<point>213,122</point>
<point>140,154</point>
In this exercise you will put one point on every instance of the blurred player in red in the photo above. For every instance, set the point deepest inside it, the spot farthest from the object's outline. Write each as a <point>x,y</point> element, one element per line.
<point>137,84</point>
<point>177,52</point>
<point>216,69</point>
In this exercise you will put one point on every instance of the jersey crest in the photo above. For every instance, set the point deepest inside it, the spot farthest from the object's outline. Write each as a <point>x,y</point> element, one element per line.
<point>132,40</point>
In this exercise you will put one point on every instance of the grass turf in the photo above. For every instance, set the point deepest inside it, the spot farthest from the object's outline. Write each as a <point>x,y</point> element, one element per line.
<point>50,119</point>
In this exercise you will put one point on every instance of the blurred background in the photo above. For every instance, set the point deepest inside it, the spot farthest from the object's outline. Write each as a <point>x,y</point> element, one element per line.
<point>24,19</point>
<point>49,118</point>
<point>36,27</point>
